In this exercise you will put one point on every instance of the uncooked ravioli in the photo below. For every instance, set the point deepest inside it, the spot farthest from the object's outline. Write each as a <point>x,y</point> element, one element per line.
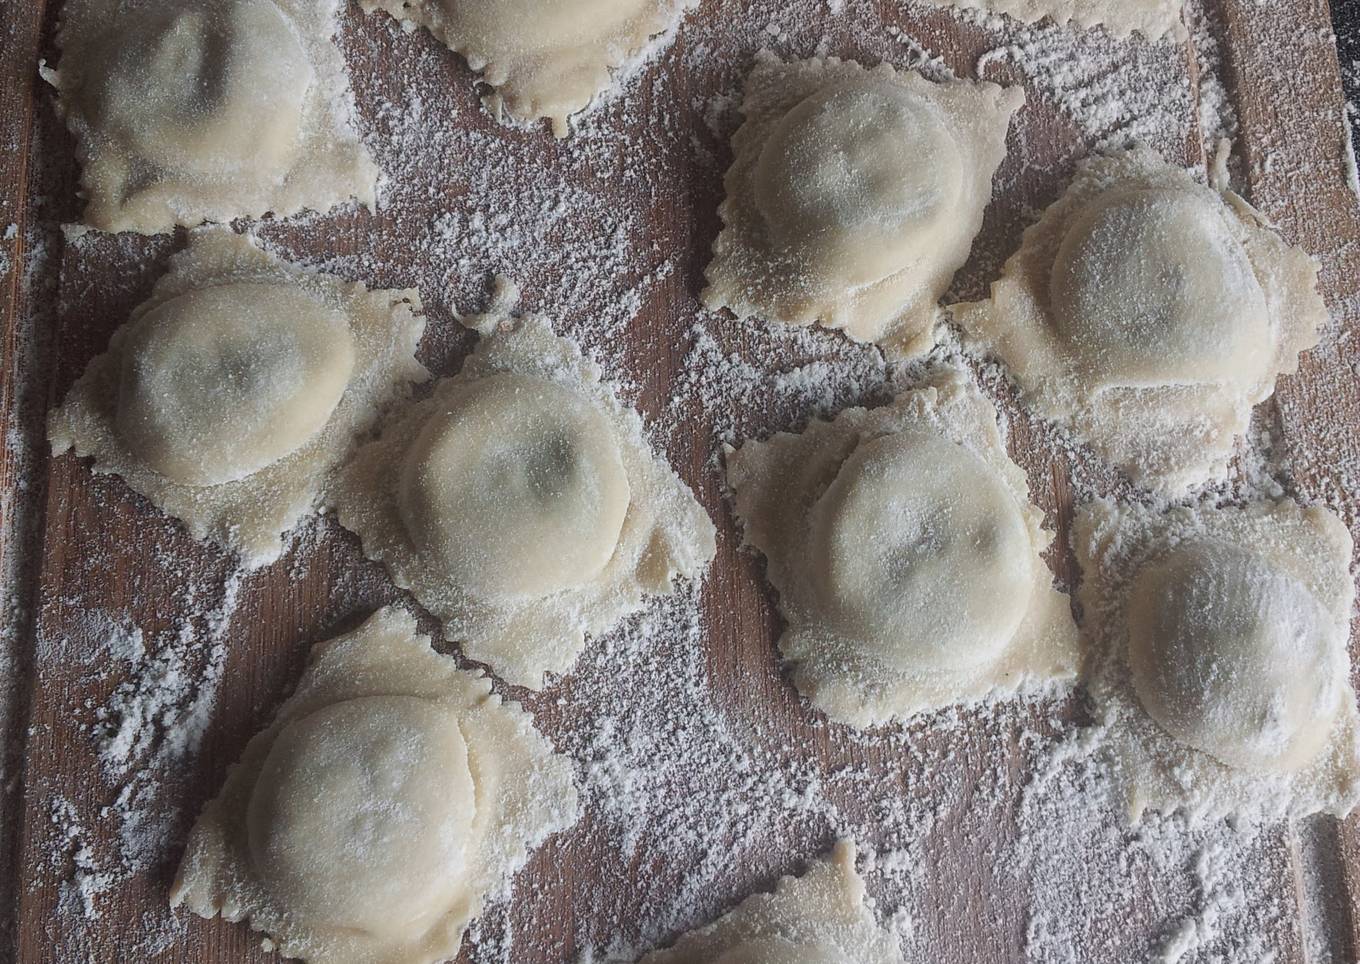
<point>208,111</point>
<point>518,491</point>
<point>1234,657</point>
<point>817,918</point>
<point>1149,288</point>
<point>1147,314</point>
<point>906,514</point>
<point>854,195</point>
<point>220,382</point>
<point>379,785</point>
<point>907,557</point>
<point>1223,670</point>
<point>238,110</point>
<point>522,504</point>
<point>544,58</point>
<point>390,796</point>
<point>235,390</point>
<point>1153,19</point>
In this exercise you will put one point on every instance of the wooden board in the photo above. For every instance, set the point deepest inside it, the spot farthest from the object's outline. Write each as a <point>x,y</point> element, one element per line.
<point>80,554</point>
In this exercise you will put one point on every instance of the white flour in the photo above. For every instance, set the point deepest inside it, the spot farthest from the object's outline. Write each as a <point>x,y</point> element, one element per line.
<point>88,878</point>
<point>152,721</point>
<point>7,237</point>
<point>1109,88</point>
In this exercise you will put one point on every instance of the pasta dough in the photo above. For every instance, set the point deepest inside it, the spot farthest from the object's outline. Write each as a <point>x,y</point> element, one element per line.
<point>233,392</point>
<point>392,794</point>
<point>1152,18</point>
<point>208,111</point>
<point>854,195</point>
<point>522,505</point>
<point>906,554</point>
<point>1147,314</point>
<point>518,461</point>
<point>1221,665</point>
<point>544,59</point>
<point>818,918</point>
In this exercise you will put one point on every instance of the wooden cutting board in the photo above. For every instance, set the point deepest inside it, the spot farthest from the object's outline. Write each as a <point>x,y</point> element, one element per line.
<point>628,213</point>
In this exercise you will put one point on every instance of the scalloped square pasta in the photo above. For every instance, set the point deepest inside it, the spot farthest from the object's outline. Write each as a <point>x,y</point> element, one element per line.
<point>208,110</point>
<point>1147,314</point>
<point>907,557</point>
<point>818,918</point>
<point>390,797</point>
<point>522,504</point>
<point>1154,19</point>
<point>543,59</point>
<point>232,393</point>
<point>854,195</point>
<point>1219,659</point>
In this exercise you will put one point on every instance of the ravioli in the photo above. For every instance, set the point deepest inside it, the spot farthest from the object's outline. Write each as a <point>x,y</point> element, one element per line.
<point>1147,314</point>
<point>907,557</point>
<point>235,390</point>
<point>854,195</point>
<point>518,462</point>
<point>1154,19</point>
<point>818,918</point>
<point>391,796</point>
<point>1221,664</point>
<point>522,504</point>
<point>208,111</point>
<point>543,59</point>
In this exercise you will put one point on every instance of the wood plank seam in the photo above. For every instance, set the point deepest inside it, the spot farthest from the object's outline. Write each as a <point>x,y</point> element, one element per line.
<point>1321,844</point>
<point>23,473</point>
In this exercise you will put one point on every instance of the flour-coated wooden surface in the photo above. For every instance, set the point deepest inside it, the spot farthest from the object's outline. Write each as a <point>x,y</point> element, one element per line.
<point>72,543</point>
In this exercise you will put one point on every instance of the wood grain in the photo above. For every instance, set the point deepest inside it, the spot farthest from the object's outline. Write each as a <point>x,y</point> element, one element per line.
<point>1295,161</point>
<point>20,413</point>
<point>73,544</point>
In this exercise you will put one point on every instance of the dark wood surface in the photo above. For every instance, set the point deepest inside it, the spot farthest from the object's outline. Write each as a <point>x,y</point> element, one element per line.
<point>72,544</point>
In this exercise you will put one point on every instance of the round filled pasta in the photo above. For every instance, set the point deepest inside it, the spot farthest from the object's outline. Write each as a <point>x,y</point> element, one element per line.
<point>518,490</point>
<point>924,554</point>
<point>220,382</point>
<point>206,90</point>
<point>853,182</point>
<point>376,791</point>
<point>1234,658</point>
<point>1150,288</point>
